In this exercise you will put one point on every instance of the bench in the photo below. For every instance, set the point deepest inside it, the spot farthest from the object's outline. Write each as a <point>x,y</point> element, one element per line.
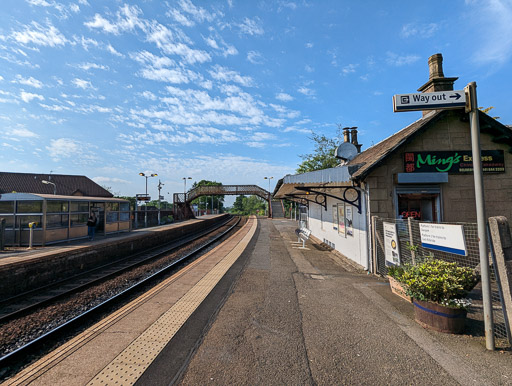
<point>303,235</point>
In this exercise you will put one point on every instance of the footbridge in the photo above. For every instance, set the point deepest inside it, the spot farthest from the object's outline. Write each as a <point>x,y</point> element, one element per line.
<point>182,209</point>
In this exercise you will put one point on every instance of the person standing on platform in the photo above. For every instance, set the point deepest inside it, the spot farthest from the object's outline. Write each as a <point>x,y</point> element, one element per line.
<point>91,225</point>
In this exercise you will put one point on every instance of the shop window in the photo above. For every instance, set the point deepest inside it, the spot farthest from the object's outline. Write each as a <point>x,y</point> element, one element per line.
<point>6,206</point>
<point>56,206</point>
<point>419,206</point>
<point>30,206</point>
<point>56,221</point>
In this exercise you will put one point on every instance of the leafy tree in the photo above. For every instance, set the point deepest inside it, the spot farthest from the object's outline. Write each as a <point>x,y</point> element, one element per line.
<point>248,205</point>
<point>204,202</point>
<point>323,156</point>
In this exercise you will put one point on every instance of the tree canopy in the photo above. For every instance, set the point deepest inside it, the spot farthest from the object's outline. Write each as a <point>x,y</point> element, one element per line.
<point>244,205</point>
<point>323,157</point>
<point>204,202</point>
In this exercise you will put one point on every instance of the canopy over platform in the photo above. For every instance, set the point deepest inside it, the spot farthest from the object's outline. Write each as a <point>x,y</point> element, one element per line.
<point>316,186</point>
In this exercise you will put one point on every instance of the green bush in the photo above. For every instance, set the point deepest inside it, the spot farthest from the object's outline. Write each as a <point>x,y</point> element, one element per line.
<point>438,281</point>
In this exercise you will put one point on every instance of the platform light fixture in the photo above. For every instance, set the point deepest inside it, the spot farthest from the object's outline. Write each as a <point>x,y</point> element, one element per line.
<point>185,183</point>
<point>145,206</point>
<point>50,183</point>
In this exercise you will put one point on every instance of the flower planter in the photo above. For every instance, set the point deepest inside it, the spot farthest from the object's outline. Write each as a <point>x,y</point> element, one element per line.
<point>439,318</point>
<point>398,289</point>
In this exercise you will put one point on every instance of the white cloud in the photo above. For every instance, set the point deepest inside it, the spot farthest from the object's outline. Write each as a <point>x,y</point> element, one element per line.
<point>23,132</point>
<point>348,69</point>
<point>222,73</point>
<point>113,51</point>
<point>297,130</point>
<point>401,60</point>
<point>149,95</point>
<point>172,43</point>
<point>127,19</point>
<point>95,66</point>
<point>284,97</point>
<point>63,148</point>
<point>251,27</point>
<point>27,96</point>
<point>28,81</point>
<point>147,58</point>
<point>255,57</point>
<point>83,84</point>
<point>421,30</point>
<point>106,180</point>
<point>39,35</point>
<point>309,45</point>
<point>493,31</point>
<point>306,91</point>
<point>308,68</point>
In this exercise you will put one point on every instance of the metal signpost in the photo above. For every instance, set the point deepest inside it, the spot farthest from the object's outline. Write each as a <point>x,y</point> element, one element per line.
<point>439,100</point>
<point>442,100</point>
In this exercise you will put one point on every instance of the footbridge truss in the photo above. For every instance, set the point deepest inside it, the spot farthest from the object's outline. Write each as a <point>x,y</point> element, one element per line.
<point>182,209</point>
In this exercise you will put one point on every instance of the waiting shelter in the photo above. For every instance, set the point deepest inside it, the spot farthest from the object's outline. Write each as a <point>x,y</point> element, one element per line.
<point>58,218</point>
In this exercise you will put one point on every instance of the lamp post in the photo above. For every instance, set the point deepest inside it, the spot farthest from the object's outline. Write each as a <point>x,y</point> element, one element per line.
<point>145,206</point>
<point>159,198</point>
<point>269,194</point>
<point>50,183</point>
<point>185,184</point>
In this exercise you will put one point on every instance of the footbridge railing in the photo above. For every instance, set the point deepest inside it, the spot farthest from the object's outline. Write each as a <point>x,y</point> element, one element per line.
<point>182,200</point>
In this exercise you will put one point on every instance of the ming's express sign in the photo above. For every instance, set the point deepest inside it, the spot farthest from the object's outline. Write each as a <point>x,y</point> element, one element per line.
<point>454,162</point>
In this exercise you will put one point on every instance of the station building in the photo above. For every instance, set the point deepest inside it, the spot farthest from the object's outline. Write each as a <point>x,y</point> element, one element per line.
<point>423,171</point>
<point>58,206</point>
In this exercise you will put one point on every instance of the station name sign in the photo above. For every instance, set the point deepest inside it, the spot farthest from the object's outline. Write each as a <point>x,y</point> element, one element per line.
<point>429,101</point>
<point>453,162</point>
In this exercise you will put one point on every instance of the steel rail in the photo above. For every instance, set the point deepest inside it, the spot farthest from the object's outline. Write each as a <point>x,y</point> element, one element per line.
<point>91,277</point>
<point>40,342</point>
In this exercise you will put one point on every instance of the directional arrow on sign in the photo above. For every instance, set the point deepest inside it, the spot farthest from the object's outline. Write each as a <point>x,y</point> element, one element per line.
<point>439,100</point>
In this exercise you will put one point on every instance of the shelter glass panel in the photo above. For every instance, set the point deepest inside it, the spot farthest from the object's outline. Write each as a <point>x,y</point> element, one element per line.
<point>9,221</point>
<point>57,206</point>
<point>124,216</point>
<point>112,217</point>
<point>23,221</point>
<point>124,206</point>
<point>113,206</point>
<point>6,206</point>
<point>30,206</point>
<point>57,221</point>
<point>79,206</point>
<point>79,219</point>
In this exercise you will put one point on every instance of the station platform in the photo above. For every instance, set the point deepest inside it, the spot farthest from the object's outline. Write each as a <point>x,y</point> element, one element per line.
<point>259,309</point>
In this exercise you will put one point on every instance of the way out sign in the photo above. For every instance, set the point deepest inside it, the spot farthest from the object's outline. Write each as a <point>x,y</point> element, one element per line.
<point>444,238</point>
<point>429,101</point>
<point>391,249</point>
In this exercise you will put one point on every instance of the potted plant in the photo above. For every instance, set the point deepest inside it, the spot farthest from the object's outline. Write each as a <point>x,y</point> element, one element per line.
<point>439,291</point>
<point>395,273</point>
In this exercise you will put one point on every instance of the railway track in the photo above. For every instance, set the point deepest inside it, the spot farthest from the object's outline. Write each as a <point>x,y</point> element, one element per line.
<point>94,282</point>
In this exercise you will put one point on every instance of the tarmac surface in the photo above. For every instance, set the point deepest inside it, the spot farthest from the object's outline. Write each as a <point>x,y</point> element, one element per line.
<point>306,317</point>
<point>284,315</point>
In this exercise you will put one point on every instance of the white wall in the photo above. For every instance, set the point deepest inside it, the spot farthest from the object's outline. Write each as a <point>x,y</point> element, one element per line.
<point>354,246</point>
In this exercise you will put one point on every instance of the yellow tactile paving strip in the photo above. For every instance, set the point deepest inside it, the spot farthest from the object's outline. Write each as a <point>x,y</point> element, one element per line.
<point>183,311</point>
<point>128,366</point>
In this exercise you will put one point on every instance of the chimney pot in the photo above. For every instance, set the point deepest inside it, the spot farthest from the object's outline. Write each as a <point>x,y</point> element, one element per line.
<point>346,134</point>
<point>435,66</point>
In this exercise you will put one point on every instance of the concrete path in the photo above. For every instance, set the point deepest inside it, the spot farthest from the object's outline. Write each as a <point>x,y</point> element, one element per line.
<point>305,317</point>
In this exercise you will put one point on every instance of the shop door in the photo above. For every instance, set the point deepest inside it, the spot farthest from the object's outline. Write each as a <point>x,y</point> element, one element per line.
<point>419,206</point>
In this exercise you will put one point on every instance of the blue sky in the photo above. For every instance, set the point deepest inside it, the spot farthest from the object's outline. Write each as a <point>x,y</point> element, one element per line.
<point>225,90</point>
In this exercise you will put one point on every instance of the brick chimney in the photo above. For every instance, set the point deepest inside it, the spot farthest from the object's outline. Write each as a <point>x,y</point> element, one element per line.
<point>353,132</point>
<point>436,80</point>
<point>346,134</point>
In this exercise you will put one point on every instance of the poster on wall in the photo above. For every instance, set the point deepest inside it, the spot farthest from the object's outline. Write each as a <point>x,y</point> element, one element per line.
<point>348,220</point>
<point>391,249</point>
<point>334,218</point>
<point>341,219</point>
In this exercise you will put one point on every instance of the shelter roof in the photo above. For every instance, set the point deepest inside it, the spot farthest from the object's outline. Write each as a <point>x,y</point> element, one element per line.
<point>34,196</point>
<point>67,185</point>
